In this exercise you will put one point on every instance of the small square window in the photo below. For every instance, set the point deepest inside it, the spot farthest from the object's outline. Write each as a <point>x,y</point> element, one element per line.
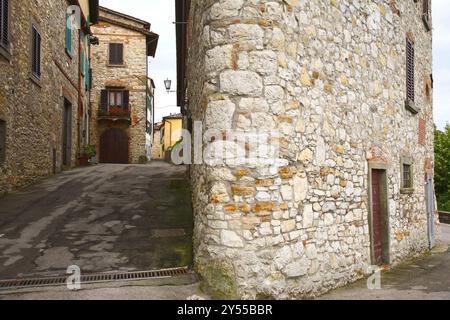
<point>407,178</point>
<point>407,175</point>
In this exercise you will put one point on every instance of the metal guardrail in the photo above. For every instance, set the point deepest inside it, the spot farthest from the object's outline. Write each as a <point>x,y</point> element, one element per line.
<point>444,217</point>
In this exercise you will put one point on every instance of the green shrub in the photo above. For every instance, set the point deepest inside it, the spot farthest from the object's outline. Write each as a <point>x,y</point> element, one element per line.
<point>88,151</point>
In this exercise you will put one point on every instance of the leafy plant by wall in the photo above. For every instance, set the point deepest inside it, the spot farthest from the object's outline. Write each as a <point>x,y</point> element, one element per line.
<point>442,169</point>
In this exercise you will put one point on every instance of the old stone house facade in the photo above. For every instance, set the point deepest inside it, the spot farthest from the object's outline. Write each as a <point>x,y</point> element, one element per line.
<point>348,87</point>
<point>44,87</point>
<point>171,133</point>
<point>122,99</point>
<point>157,145</point>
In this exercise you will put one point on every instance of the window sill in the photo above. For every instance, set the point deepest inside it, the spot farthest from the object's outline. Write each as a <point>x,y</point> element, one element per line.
<point>411,106</point>
<point>116,65</point>
<point>5,53</point>
<point>69,54</point>
<point>36,81</point>
<point>407,190</point>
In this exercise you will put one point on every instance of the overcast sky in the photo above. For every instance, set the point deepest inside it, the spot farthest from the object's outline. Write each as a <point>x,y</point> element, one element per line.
<point>441,63</point>
<point>161,14</point>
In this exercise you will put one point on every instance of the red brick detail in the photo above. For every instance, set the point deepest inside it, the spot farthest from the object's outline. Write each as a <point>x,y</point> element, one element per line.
<point>422,132</point>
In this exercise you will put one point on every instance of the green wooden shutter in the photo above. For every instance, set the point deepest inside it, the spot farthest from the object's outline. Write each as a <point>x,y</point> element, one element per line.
<point>86,74</point>
<point>68,34</point>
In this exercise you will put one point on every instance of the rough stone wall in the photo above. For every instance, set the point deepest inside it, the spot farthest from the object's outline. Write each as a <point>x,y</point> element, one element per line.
<point>329,76</point>
<point>132,76</point>
<point>157,145</point>
<point>34,112</point>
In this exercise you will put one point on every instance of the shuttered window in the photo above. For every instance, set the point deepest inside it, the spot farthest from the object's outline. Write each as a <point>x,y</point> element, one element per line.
<point>86,74</point>
<point>116,54</point>
<point>410,95</point>
<point>2,141</point>
<point>36,53</point>
<point>115,100</point>
<point>68,34</point>
<point>83,60</point>
<point>4,23</point>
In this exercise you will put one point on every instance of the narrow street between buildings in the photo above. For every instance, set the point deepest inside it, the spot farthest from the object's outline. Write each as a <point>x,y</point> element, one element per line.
<point>419,279</point>
<point>102,218</point>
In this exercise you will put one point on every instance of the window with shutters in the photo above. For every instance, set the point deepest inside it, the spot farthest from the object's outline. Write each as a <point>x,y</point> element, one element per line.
<point>410,80</point>
<point>116,54</point>
<point>426,14</point>
<point>4,24</point>
<point>68,34</point>
<point>2,141</point>
<point>36,51</point>
<point>83,61</point>
<point>115,101</point>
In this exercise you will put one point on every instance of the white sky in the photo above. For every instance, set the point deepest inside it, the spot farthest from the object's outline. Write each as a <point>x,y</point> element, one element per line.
<point>441,61</point>
<point>161,14</point>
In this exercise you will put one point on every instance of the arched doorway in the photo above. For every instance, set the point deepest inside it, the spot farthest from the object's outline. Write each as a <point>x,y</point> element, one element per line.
<point>114,146</point>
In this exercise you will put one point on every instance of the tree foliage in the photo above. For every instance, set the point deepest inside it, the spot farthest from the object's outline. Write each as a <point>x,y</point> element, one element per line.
<point>442,168</point>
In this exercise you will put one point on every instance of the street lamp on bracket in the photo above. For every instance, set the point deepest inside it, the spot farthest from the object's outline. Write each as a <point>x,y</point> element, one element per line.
<point>168,85</point>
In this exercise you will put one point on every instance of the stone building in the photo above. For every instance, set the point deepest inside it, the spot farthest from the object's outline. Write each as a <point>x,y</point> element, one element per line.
<point>171,133</point>
<point>122,99</point>
<point>44,87</point>
<point>348,87</point>
<point>157,145</point>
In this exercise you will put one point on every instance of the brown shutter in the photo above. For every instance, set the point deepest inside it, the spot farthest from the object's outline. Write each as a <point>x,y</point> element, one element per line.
<point>4,25</point>
<point>410,70</point>
<point>104,100</point>
<point>115,53</point>
<point>112,53</point>
<point>36,53</point>
<point>126,100</point>
<point>120,54</point>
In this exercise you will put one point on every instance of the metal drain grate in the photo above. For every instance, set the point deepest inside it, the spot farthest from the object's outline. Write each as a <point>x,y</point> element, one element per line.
<point>93,278</point>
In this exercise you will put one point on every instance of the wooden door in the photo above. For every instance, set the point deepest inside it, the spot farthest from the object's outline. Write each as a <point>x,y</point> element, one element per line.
<point>114,147</point>
<point>67,133</point>
<point>376,217</point>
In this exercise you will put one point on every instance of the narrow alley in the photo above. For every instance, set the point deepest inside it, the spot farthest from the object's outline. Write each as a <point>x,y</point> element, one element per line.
<point>101,218</point>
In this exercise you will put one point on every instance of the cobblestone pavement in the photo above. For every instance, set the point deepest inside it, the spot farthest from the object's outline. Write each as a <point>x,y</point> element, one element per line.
<point>101,218</point>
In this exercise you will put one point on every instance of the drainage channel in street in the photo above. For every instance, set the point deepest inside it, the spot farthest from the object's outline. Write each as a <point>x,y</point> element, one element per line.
<point>93,278</point>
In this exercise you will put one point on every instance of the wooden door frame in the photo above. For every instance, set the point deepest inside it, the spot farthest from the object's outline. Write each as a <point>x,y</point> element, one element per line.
<point>386,239</point>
